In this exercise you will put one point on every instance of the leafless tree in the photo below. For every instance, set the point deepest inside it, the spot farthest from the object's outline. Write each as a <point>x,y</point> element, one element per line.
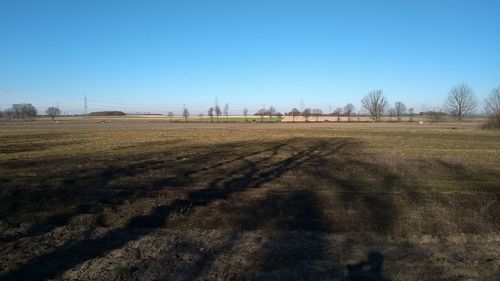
<point>375,104</point>
<point>399,109</point>
<point>226,110</point>
<point>185,114</point>
<point>411,112</point>
<point>461,102</point>
<point>245,112</point>
<point>211,114</point>
<point>53,112</point>
<point>217,111</point>
<point>294,112</point>
<point>29,111</point>
<point>492,103</point>
<point>170,115</point>
<point>9,113</point>
<point>262,112</point>
<point>348,110</point>
<point>271,112</point>
<point>316,113</point>
<point>17,108</point>
<point>24,111</point>
<point>338,112</point>
<point>492,107</point>
<point>306,113</point>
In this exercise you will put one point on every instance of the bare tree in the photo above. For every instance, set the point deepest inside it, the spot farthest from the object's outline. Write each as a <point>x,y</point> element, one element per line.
<point>461,102</point>
<point>9,113</point>
<point>271,112</point>
<point>262,112</point>
<point>492,103</point>
<point>294,112</point>
<point>245,112</point>
<point>17,108</point>
<point>185,114</point>
<point>29,111</point>
<point>306,113</point>
<point>226,110</point>
<point>217,111</point>
<point>24,111</point>
<point>399,109</point>
<point>348,110</point>
<point>411,112</point>
<point>316,113</point>
<point>53,112</point>
<point>338,112</point>
<point>492,107</point>
<point>211,114</point>
<point>375,104</point>
<point>170,115</point>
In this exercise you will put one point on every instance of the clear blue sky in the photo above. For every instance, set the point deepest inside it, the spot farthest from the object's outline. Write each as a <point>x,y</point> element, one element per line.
<point>158,55</point>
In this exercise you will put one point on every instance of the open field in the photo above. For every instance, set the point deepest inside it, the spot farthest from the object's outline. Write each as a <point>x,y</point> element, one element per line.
<point>136,200</point>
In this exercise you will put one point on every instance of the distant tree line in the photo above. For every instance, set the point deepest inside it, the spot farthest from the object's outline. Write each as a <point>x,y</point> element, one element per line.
<point>460,102</point>
<point>20,111</point>
<point>27,112</point>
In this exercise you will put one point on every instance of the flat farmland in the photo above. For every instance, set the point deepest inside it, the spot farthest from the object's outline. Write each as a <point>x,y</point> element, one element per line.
<point>139,200</point>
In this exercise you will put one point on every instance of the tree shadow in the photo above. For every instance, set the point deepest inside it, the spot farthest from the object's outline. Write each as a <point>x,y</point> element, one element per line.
<point>294,215</point>
<point>53,263</point>
<point>88,189</point>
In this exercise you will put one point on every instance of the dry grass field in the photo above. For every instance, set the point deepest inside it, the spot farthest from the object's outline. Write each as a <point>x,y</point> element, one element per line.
<point>139,200</point>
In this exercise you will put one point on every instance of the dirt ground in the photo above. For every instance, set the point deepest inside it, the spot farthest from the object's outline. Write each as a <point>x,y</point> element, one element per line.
<point>136,200</point>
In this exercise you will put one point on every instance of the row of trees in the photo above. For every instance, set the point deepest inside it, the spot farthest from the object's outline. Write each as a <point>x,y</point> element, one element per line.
<point>27,112</point>
<point>374,103</point>
<point>24,111</point>
<point>461,101</point>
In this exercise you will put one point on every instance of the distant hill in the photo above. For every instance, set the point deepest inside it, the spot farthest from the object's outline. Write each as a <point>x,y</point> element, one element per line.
<point>107,113</point>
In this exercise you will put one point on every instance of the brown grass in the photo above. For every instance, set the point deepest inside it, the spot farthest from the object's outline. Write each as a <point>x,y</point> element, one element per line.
<point>99,187</point>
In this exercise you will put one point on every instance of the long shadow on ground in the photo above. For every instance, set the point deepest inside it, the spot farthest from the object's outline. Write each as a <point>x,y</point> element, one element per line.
<point>74,252</point>
<point>298,248</point>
